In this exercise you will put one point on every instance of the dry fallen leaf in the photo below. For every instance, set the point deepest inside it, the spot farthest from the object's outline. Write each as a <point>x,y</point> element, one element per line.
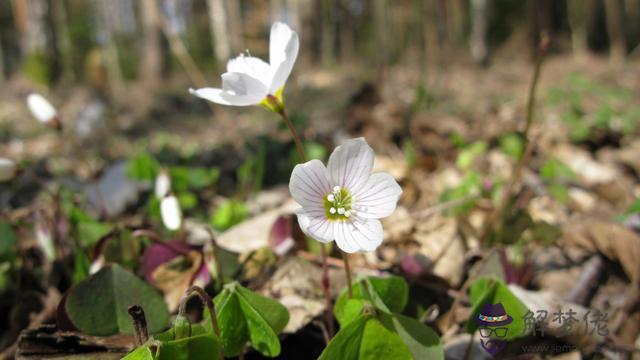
<point>614,241</point>
<point>175,277</point>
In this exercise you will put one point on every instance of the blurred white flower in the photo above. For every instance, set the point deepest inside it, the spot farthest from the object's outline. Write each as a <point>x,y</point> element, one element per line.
<point>163,184</point>
<point>344,201</point>
<point>44,237</point>
<point>251,81</point>
<point>170,212</point>
<point>42,109</point>
<point>7,169</point>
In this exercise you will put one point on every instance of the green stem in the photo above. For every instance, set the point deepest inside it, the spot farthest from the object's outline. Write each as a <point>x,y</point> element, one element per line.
<point>294,133</point>
<point>347,271</point>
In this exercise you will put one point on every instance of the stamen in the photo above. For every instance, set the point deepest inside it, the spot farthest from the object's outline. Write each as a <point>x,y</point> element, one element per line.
<point>332,210</point>
<point>347,213</point>
<point>341,211</point>
<point>331,198</point>
<point>336,189</point>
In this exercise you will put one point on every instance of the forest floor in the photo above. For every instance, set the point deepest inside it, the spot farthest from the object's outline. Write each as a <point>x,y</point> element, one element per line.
<point>569,238</point>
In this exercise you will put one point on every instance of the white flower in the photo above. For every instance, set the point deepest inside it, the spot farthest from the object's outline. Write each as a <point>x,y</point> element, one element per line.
<point>42,109</point>
<point>344,201</point>
<point>7,169</point>
<point>251,81</point>
<point>163,184</point>
<point>170,212</point>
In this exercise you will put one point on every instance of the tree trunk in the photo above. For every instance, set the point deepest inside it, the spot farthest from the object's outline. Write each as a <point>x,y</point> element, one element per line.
<point>478,36</point>
<point>110,51</point>
<point>219,31</point>
<point>234,15</point>
<point>381,17</point>
<point>151,65</point>
<point>577,12</point>
<point>63,37</point>
<point>615,31</point>
<point>328,32</point>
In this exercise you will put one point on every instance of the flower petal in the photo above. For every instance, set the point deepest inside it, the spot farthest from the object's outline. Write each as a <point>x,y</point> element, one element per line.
<point>211,94</point>
<point>309,185</point>
<point>358,235</point>
<point>252,66</point>
<point>243,84</point>
<point>316,226</point>
<point>350,164</point>
<point>41,108</point>
<point>283,52</point>
<point>170,212</point>
<point>238,89</point>
<point>378,197</point>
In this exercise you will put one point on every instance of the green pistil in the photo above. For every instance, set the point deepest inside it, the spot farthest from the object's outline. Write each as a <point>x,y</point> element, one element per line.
<point>340,208</point>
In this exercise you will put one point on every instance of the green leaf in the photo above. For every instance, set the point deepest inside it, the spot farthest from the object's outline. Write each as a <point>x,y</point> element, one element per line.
<point>141,353</point>
<point>554,169</point>
<point>81,266</point>
<point>8,241</point>
<point>198,347</point>
<point>89,232</point>
<point>187,200</point>
<point>98,305</point>
<point>511,145</point>
<point>233,327</point>
<point>142,167</point>
<point>492,291</point>
<point>632,209</point>
<point>244,316</point>
<point>366,338</point>
<point>230,213</point>
<point>421,340</point>
<point>273,312</point>
<point>390,293</point>
<point>469,153</point>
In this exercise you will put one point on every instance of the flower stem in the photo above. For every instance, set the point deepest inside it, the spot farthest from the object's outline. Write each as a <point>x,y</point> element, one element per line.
<point>326,285</point>
<point>294,133</point>
<point>327,292</point>
<point>347,270</point>
<point>211,306</point>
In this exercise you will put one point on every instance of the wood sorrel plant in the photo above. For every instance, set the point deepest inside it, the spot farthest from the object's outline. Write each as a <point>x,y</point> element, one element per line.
<point>251,81</point>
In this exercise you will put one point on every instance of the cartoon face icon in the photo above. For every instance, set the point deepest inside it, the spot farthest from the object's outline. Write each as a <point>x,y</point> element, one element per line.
<point>492,323</point>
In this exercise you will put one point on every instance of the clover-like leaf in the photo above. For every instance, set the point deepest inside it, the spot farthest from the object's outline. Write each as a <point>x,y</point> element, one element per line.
<point>389,293</point>
<point>492,291</point>
<point>196,347</point>
<point>244,316</point>
<point>377,335</point>
<point>98,305</point>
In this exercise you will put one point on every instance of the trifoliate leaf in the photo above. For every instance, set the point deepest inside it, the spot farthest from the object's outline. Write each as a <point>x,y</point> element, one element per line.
<point>244,316</point>
<point>492,291</point>
<point>377,335</point>
<point>390,294</point>
<point>98,305</point>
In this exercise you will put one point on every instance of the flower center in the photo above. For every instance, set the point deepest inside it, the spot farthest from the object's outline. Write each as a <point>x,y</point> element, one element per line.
<point>338,204</point>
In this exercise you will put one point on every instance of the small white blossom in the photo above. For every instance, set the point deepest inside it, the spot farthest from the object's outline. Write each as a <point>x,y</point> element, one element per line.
<point>251,81</point>
<point>7,169</point>
<point>163,184</point>
<point>42,109</point>
<point>344,201</point>
<point>170,212</point>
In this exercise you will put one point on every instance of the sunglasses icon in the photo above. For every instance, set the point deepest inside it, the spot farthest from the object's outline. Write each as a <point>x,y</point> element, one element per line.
<point>493,332</point>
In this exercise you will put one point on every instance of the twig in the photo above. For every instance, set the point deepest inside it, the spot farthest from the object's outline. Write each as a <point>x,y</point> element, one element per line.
<point>139,324</point>
<point>498,214</point>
